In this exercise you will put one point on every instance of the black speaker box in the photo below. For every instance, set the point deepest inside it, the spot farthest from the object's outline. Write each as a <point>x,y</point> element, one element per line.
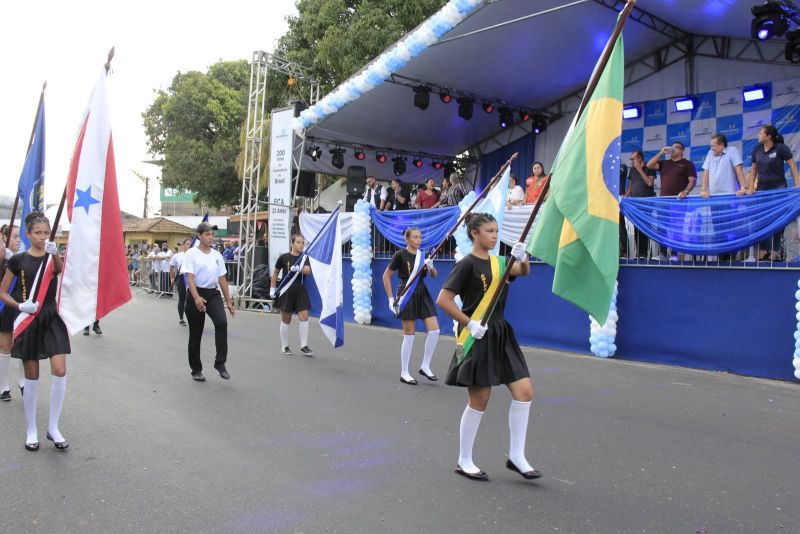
<point>356,180</point>
<point>350,202</point>
<point>306,184</point>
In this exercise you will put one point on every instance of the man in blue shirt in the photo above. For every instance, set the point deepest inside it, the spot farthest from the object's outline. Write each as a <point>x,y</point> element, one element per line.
<point>723,170</point>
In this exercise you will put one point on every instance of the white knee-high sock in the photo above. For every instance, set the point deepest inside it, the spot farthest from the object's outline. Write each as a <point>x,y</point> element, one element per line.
<point>5,367</point>
<point>405,355</point>
<point>303,327</point>
<point>518,414</point>
<point>284,335</point>
<point>470,421</point>
<point>29,404</point>
<point>58,389</point>
<point>21,375</point>
<point>430,347</point>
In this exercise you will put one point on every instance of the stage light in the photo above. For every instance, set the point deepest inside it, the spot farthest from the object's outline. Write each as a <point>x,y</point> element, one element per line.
<point>422,97</point>
<point>769,19</point>
<point>465,107</point>
<point>631,112</point>
<point>436,164</point>
<point>337,158</point>
<point>380,157</point>
<point>538,124</point>
<point>506,118</point>
<point>314,152</point>
<point>524,116</point>
<point>792,52</point>
<point>445,97</point>
<point>487,106</point>
<point>753,94</point>
<point>399,166</point>
<point>684,104</point>
<point>418,163</point>
<point>359,154</point>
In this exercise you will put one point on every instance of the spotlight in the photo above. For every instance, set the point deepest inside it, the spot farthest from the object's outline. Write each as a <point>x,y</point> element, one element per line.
<point>418,163</point>
<point>445,97</point>
<point>399,166</point>
<point>380,157</point>
<point>359,154</point>
<point>631,112</point>
<point>769,20</point>
<point>684,104</point>
<point>465,107</point>
<point>314,152</point>
<point>337,159</point>
<point>506,118</point>
<point>422,97</point>
<point>436,164</point>
<point>539,123</point>
<point>524,116</point>
<point>793,46</point>
<point>487,106</point>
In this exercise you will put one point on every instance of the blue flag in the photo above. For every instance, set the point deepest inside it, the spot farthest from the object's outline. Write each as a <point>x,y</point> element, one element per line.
<point>325,255</point>
<point>31,181</point>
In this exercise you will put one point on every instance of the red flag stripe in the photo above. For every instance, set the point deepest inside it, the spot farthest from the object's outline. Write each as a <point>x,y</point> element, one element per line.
<point>72,176</point>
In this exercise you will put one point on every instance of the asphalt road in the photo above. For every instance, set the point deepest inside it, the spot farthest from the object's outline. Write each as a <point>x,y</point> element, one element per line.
<point>336,443</point>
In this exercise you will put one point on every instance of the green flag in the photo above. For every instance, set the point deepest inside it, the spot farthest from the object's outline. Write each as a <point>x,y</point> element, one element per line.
<point>578,231</point>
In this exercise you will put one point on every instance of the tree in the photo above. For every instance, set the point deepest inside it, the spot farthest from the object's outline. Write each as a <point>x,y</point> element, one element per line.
<point>194,128</point>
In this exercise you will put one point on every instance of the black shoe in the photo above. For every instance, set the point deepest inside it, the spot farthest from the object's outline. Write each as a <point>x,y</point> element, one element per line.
<point>86,331</point>
<point>198,376</point>
<point>21,391</point>
<point>411,382</point>
<point>96,329</point>
<point>529,475</point>
<point>60,445</point>
<point>182,322</point>
<point>432,378</point>
<point>5,396</point>
<point>286,351</point>
<point>480,475</point>
<point>32,446</point>
<point>307,351</point>
<point>223,373</point>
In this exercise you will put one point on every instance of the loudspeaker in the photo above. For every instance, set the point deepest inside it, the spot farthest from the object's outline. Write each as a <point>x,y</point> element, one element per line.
<point>306,184</point>
<point>299,106</point>
<point>356,180</point>
<point>350,202</point>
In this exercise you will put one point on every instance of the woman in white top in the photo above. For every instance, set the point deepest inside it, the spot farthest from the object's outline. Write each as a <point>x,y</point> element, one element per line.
<point>177,280</point>
<point>516,196</point>
<point>205,271</point>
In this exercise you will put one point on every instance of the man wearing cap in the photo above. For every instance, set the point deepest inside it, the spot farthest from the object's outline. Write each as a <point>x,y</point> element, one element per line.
<point>205,272</point>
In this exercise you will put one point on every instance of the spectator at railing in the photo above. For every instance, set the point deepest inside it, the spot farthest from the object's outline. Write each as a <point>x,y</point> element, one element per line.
<point>641,180</point>
<point>375,193</point>
<point>445,185</point>
<point>455,193</point>
<point>534,185</point>
<point>165,255</point>
<point>429,198</point>
<point>397,198</point>
<point>767,173</point>
<point>155,267</point>
<point>723,170</point>
<point>516,196</point>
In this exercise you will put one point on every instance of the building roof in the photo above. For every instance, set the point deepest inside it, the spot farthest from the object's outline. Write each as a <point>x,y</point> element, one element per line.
<point>156,225</point>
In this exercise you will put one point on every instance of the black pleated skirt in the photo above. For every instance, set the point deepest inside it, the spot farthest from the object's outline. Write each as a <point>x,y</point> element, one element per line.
<point>46,336</point>
<point>493,360</point>
<point>420,305</point>
<point>7,317</point>
<point>295,299</point>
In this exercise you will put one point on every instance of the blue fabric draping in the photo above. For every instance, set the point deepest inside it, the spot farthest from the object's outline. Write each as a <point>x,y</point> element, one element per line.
<point>434,224</point>
<point>520,167</point>
<point>723,223</point>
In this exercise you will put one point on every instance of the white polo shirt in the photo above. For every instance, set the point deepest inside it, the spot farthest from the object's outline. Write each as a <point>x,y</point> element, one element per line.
<point>177,261</point>
<point>206,267</point>
<point>722,170</point>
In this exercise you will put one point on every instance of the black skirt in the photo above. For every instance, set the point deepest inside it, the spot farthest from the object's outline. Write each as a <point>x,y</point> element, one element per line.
<point>7,317</point>
<point>295,299</point>
<point>46,336</point>
<point>493,360</point>
<point>420,305</point>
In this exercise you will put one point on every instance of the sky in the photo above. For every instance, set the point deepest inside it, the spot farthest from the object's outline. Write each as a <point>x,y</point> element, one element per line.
<point>66,44</point>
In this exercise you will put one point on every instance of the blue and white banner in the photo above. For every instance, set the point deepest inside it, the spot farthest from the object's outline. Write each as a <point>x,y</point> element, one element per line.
<point>325,254</point>
<point>494,204</point>
<point>723,112</point>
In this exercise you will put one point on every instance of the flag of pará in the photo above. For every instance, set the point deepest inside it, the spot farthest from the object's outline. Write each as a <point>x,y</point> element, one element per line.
<point>325,254</point>
<point>578,231</point>
<point>31,180</point>
<point>95,278</point>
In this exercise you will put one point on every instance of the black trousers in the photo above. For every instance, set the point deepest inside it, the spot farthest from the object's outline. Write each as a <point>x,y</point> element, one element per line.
<point>181,286</point>
<point>216,310</point>
<point>623,236</point>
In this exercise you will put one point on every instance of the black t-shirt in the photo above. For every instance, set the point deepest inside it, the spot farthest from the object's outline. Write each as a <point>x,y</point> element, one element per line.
<point>770,165</point>
<point>403,263</point>
<point>638,187</point>
<point>285,262</point>
<point>470,279</point>
<point>25,266</point>
<point>394,202</point>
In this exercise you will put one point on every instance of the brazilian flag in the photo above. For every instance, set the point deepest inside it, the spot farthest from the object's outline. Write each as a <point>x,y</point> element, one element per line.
<point>578,231</point>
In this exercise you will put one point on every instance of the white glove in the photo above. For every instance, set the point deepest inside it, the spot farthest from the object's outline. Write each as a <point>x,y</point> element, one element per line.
<point>476,329</point>
<point>518,252</point>
<point>429,263</point>
<point>273,292</point>
<point>391,303</point>
<point>28,306</point>
<point>295,268</point>
<point>50,247</point>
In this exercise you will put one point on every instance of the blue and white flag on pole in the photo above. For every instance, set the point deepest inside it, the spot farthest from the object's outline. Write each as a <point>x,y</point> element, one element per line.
<point>325,254</point>
<point>31,180</point>
<point>494,204</point>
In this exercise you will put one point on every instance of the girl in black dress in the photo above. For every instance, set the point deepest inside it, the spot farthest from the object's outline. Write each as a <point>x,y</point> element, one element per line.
<point>7,316</point>
<point>495,357</point>
<point>294,298</point>
<point>46,336</point>
<point>419,304</point>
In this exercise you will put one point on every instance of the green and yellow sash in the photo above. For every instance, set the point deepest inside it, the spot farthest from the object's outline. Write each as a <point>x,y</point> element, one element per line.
<point>465,339</point>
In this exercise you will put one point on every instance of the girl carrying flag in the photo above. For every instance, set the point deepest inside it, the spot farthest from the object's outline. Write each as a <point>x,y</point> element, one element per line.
<point>293,297</point>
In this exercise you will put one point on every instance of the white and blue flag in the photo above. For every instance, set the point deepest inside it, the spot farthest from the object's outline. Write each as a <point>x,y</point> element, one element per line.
<point>494,204</point>
<point>325,254</point>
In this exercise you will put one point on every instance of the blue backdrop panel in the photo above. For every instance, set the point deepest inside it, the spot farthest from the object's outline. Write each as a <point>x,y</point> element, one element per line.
<point>521,167</point>
<point>740,321</point>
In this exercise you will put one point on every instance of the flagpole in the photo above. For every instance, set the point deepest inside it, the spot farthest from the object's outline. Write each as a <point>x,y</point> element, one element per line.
<point>481,196</point>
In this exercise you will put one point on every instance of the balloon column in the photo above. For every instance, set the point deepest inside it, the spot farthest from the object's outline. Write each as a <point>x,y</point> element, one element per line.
<point>361,258</point>
<point>389,62</point>
<point>796,359</point>
<point>602,338</point>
